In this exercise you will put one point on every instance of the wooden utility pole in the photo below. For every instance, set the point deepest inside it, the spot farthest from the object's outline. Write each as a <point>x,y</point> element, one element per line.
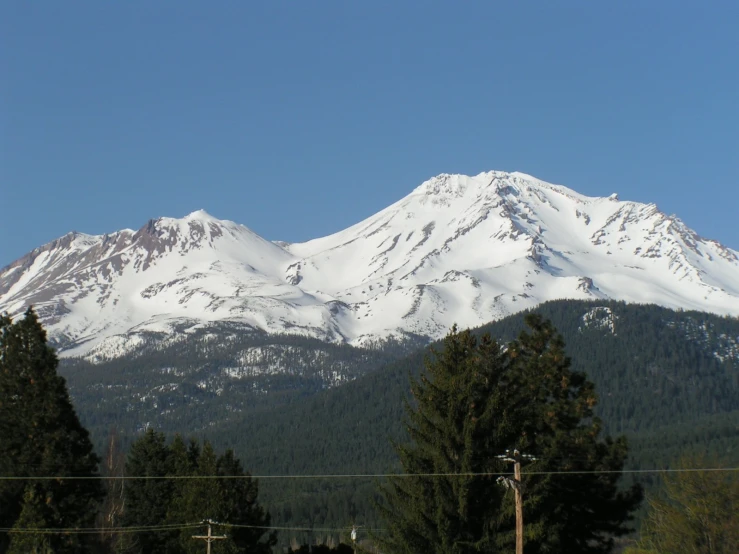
<point>209,538</point>
<point>519,502</point>
<point>517,487</point>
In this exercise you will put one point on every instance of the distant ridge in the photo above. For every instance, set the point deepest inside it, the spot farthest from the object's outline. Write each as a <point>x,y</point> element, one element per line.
<point>457,249</point>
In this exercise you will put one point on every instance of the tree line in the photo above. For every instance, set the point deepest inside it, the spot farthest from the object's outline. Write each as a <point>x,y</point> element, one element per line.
<point>659,382</point>
<point>51,497</point>
<point>473,399</point>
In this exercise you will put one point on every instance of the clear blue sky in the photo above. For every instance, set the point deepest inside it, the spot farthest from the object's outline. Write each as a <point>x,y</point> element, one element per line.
<point>298,119</point>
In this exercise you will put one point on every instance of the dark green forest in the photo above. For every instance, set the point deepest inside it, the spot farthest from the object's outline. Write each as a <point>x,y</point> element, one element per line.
<point>219,374</point>
<point>667,380</point>
<point>477,398</point>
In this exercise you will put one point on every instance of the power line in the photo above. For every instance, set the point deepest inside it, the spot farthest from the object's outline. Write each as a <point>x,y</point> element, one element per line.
<point>565,456</point>
<point>170,527</point>
<point>96,530</point>
<point>562,457</point>
<point>356,475</point>
<point>309,529</point>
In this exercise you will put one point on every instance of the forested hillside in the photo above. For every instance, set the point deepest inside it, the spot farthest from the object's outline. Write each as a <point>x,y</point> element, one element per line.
<point>219,374</point>
<point>668,380</point>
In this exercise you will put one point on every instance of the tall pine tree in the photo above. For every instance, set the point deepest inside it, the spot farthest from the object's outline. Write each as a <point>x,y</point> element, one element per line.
<point>475,400</point>
<point>146,501</point>
<point>240,507</point>
<point>34,515</point>
<point>550,415</point>
<point>41,436</point>
<point>449,431</point>
<point>206,486</point>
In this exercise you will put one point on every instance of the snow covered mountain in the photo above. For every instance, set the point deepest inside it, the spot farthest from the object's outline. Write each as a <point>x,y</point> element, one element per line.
<point>457,249</point>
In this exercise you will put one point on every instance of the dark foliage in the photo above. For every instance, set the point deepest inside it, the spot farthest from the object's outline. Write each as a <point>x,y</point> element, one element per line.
<point>472,403</point>
<point>660,382</point>
<point>156,502</point>
<point>322,549</point>
<point>669,380</point>
<point>220,373</point>
<point>41,437</point>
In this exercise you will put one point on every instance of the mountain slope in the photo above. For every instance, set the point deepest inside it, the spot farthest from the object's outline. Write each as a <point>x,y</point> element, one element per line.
<point>170,274</point>
<point>654,369</point>
<point>474,249</point>
<point>458,249</point>
<point>669,380</point>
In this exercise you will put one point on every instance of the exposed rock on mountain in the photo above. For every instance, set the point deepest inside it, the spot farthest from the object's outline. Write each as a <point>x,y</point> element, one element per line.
<point>457,249</point>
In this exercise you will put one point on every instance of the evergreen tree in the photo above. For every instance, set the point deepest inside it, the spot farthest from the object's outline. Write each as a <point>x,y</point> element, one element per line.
<point>147,500</point>
<point>198,500</point>
<point>232,502</point>
<point>240,506</point>
<point>40,435</point>
<point>474,401</point>
<point>450,514</point>
<point>549,413</point>
<point>207,491</point>
<point>32,516</point>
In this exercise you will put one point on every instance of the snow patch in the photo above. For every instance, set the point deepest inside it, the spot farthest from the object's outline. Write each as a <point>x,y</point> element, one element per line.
<point>601,318</point>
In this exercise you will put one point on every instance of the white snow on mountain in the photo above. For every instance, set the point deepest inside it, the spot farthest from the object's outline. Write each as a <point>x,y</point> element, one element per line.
<point>601,318</point>
<point>458,249</point>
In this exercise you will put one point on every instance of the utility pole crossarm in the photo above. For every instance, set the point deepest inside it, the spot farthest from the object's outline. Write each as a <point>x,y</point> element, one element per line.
<point>515,484</point>
<point>210,537</point>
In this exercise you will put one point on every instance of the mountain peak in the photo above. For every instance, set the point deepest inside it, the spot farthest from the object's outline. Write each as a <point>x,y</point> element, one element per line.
<point>464,249</point>
<point>443,185</point>
<point>200,215</point>
<point>449,186</point>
